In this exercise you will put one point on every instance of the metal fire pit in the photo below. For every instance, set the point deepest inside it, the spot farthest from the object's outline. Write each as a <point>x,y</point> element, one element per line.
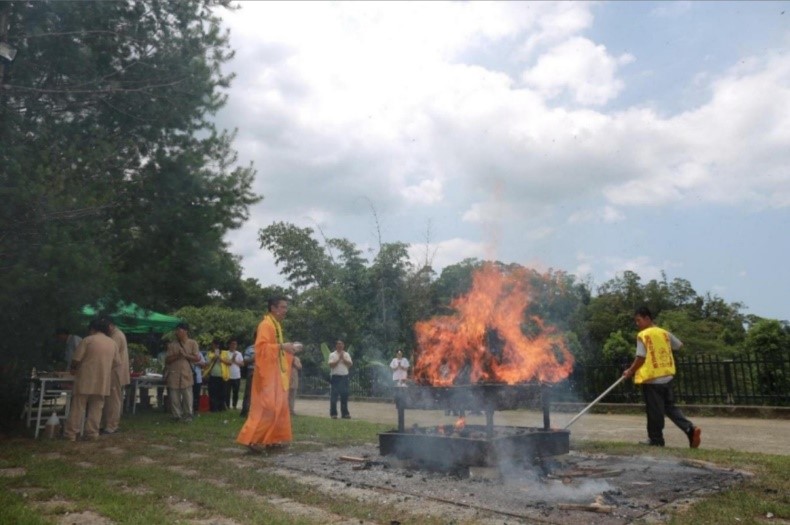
<point>475,445</point>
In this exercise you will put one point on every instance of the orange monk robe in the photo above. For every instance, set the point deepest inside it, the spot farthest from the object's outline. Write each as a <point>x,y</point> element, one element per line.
<point>269,419</point>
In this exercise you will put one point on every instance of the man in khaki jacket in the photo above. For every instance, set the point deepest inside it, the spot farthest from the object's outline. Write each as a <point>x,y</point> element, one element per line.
<point>92,366</point>
<point>181,355</point>
<point>113,405</point>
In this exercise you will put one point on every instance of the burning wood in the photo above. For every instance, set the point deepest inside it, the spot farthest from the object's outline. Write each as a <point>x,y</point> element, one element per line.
<point>592,507</point>
<point>485,340</point>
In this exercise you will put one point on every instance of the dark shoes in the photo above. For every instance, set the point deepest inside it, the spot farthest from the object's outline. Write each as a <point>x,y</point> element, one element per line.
<point>650,443</point>
<point>347,416</point>
<point>106,432</point>
<point>695,437</point>
<point>333,417</point>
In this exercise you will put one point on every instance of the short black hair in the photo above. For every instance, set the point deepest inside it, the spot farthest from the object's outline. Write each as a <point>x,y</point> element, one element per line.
<point>100,325</point>
<point>274,301</point>
<point>185,326</point>
<point>644,311</point>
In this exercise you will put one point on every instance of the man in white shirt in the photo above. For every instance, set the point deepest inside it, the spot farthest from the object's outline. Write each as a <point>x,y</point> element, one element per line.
<point>400,369</point>
<point>339,363</point>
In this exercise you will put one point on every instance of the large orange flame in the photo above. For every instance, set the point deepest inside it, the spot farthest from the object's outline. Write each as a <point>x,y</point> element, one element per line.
<point>484,341</point>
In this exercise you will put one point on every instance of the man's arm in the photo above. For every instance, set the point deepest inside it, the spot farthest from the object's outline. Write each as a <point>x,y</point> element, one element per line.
<point>636,365</point>
<point>334,360</point>
<point>172,355</point>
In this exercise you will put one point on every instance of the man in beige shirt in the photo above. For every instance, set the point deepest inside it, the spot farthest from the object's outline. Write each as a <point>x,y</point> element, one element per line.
<point>181,355</point>
<point>92,366</point>
<point>113,405</point>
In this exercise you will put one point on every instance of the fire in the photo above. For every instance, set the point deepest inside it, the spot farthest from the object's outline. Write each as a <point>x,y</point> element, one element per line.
<point>460,424</point>
<point>484,341</point>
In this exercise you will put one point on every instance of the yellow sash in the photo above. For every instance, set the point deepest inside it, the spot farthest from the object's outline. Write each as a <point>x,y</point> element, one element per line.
<point>659,361</point>
<point>282,360</point>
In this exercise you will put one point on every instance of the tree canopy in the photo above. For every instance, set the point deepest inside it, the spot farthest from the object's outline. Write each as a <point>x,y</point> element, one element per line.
<point>116,182</point>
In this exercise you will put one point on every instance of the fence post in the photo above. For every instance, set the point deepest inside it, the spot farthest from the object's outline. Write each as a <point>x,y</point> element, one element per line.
<point>728,381</point>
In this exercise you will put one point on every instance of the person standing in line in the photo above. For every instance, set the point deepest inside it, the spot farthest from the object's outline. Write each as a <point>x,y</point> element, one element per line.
<point>113,405</point>
<point>654,369</point>
<point>339,363</point>
<point>249,361</point>
<point>197,378</point>
<point>296,367</point>
<point>269,420</point>
<point>72,341</point>
<point>92,365</point>
<point>218,372</point>
<point>400,369</point>
<point>181,355</point>
<point>234,374</point>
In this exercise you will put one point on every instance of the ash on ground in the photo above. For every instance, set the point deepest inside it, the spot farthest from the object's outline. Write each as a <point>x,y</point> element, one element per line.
<point>573,488</point>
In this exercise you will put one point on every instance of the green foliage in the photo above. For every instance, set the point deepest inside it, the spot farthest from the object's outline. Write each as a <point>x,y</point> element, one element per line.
<point>617,348</point>
<point>217,322</point>
<point>115,181</point>
<point>768,339</point>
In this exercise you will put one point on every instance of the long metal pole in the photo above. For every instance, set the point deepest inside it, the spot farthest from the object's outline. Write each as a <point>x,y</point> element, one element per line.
<point>588,407</point>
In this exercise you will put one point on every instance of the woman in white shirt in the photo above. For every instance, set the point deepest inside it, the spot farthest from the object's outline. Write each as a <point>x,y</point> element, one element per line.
<point>400,369</point>
<point>234,379</point>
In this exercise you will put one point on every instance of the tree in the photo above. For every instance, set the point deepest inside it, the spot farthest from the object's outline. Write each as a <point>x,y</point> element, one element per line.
<point>115,181</point>
<point>769,340</point>
<point>207,323</point>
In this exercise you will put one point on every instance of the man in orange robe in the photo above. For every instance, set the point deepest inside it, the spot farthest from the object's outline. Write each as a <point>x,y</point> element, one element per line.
<point>269,419</point>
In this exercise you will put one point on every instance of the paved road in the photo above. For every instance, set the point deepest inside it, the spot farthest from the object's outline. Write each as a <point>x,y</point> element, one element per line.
<point>771,436</point>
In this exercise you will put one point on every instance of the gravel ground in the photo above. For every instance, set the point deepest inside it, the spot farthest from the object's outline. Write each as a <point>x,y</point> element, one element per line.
<point>573,488</point>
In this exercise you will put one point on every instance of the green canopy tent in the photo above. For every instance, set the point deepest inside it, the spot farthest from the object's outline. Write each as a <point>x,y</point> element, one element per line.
<point>132,319</point>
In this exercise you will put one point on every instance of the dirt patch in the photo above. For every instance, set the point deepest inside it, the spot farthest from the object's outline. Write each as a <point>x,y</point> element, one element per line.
<point>55,506</point>
<point>184,507</point>
<point>51,455</point>
<point>115,451</point>
<point>84,464</point>
<point>27,492</point>
<point>121,486</point>
<point>83,518</point>
<point>299,510</point>
<point>214,521</point>
<point>14,472</point>
<point>183,471</point>
<point>575,488</point>
<point>145,460</point>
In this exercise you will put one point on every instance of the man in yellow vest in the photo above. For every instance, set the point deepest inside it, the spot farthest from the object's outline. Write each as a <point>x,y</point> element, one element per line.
<point>654,369</point>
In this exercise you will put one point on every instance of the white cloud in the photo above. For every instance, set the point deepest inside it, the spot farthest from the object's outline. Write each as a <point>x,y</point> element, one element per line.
<point>582,68</point>
<point>606,215</point>
<point>447,252</point>
<point>426,192</point>
<point>421,109</point>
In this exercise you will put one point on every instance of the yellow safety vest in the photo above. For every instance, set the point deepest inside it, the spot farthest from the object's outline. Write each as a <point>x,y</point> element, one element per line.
<point>225,369</point>
<point>659,361</point>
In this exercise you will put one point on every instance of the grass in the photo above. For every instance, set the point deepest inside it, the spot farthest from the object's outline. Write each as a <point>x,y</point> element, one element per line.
<point>158,472</point>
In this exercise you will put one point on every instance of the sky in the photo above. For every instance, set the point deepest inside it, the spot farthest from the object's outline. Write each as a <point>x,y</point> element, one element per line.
<point>590,137</point>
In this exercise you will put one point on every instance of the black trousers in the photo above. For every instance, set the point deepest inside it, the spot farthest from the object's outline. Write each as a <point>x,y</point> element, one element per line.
<point>233,392</point>
<point>196,396</point>
<point>338,389</point>
<point>245,403</point>
<point>660,402</point>
<point>216,393</point>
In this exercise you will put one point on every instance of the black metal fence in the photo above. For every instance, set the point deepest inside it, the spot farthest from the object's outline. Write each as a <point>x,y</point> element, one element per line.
<point>700,380</point>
